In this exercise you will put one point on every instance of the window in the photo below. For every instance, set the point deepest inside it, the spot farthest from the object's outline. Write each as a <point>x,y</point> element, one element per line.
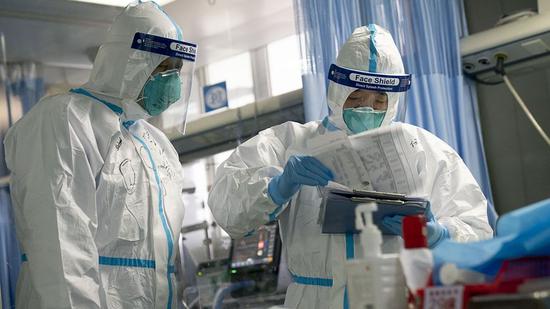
<point>16,109</point>
<point>237,73</point>
<point>284,65</point>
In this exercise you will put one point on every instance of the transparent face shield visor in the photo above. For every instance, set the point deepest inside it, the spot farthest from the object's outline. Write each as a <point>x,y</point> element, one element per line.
<point>374,92</point>
<point>165,95</point>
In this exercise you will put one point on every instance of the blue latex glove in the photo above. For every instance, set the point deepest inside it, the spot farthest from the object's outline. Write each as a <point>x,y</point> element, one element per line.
<point>299,170</point>
<point>436,232</point>
<point>393,224</point>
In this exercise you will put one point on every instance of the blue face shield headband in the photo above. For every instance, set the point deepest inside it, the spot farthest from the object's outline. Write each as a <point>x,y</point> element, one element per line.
<point>369,81</point>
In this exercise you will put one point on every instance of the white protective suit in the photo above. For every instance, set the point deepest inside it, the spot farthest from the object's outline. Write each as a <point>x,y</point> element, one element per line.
<point>240,202</point>
<point>96,189</point>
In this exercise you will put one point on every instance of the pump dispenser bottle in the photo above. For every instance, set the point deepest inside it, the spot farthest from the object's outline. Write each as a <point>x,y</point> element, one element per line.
<point>375,280</point>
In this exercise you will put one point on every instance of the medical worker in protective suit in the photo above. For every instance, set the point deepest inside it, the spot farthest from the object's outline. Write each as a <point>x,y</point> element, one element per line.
<point>271,176</point>
<point>96,189</point>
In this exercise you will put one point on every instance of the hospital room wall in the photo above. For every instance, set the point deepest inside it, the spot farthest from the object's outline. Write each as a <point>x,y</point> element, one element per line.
<point>518,158</point>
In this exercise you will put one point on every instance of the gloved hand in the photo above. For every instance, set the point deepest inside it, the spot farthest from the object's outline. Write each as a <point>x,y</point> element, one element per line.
<point>299,170</point>
<point>393,224</point>
<point>436,232</point>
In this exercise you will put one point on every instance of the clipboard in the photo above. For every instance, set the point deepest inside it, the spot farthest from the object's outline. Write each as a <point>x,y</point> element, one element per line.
<point>337,215</point>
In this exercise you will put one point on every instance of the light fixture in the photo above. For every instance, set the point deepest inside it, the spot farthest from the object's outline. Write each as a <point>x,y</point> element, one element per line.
<point>120,3</point>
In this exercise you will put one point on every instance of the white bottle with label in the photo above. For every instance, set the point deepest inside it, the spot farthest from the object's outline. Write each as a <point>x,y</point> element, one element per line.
<point>375,281</point>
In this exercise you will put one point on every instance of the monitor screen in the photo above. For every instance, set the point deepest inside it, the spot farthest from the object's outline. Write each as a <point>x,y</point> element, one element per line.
<point>258,248</point>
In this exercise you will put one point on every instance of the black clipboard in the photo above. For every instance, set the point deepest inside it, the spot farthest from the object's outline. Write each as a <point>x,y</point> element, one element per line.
<point>337,215</point>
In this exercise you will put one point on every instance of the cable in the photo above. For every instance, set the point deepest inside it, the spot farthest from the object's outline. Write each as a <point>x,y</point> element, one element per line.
<point>526,110</point>
<point>499,69</point>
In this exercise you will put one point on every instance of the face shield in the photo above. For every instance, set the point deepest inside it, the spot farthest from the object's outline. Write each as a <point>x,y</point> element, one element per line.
<point>165,94</point>
<point>368,100</point>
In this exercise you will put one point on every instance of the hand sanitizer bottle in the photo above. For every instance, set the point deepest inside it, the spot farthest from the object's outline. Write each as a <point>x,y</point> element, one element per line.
<point>375,281</point>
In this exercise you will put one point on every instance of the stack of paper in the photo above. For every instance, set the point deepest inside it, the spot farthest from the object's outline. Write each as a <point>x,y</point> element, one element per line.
<point>385,159</point>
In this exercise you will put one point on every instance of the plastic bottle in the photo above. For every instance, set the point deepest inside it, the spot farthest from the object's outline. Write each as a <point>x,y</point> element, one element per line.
<point>416,259</point>
<point>375,280</point>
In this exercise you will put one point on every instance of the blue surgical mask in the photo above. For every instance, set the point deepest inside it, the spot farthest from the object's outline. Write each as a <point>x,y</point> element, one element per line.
<point>161,91</point>
<point>363,118</point>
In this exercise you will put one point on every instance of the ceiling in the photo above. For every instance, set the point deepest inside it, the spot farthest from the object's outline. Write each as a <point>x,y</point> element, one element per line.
<point>231,26</point>
<point>53,31</point>
<point>65,34</point>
